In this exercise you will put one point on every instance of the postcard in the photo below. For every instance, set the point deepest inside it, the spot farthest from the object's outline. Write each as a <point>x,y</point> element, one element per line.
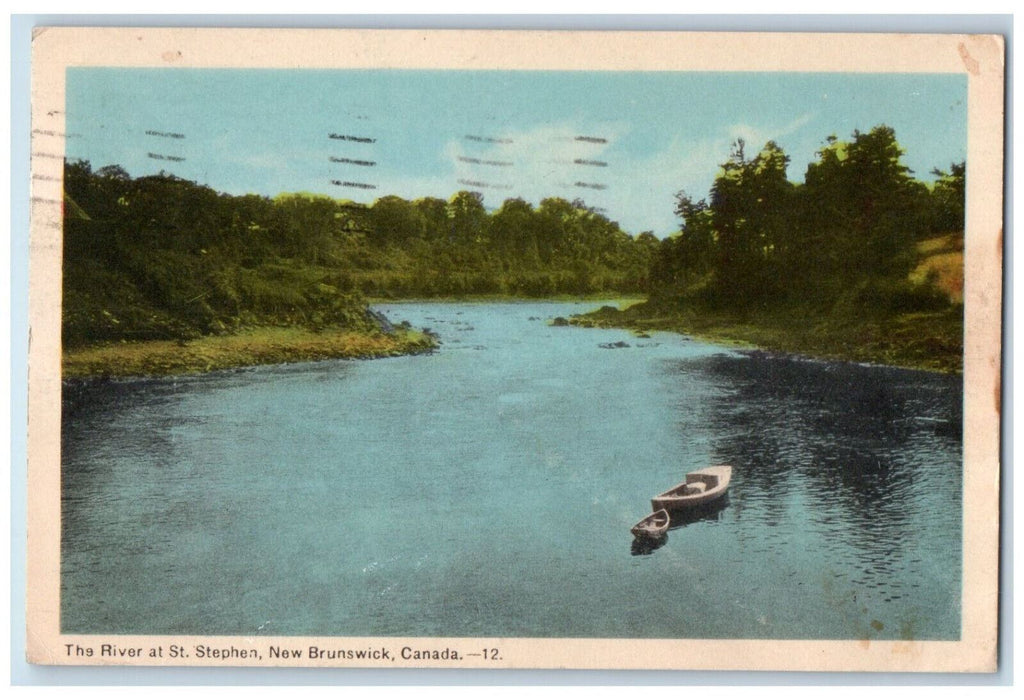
<point>515,349</point>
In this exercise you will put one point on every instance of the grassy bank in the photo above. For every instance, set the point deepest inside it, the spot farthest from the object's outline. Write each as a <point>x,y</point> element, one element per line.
<point>257,346</point>
<point>931,341</point>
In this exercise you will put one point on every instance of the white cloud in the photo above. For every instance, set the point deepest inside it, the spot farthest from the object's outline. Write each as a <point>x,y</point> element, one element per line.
<point>757,136</point>
<point>531,163</point>
<point>644,197</point>
<point>640,191</point>
<point>547,160</point>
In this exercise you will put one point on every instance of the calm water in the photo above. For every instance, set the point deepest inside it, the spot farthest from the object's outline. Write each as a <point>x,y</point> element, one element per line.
<point>488,490</point>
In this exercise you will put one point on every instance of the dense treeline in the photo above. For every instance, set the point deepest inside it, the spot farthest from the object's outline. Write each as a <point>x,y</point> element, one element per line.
<point>433,247</point>
<point>159,257</point>
<point>164,258</point>
<point>846,239</point>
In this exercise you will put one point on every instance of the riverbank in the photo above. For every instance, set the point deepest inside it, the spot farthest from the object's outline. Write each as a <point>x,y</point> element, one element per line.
<point>255,346</point>
<point>927,340</point>
<point>621,300</point>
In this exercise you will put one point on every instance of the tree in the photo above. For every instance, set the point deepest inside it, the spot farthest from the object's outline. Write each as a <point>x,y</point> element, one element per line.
<point>887,201</point>
<point>115,172</point>
<point>395,221</point>
<point>948,197</point>
<point>467,218</point>
<point>848,234</point>
<point>512,234</point>
<point>434,213</point>
<point>749,208</point>
<point>861,213</point>
<point>692,252</point>
<point>555,217</point>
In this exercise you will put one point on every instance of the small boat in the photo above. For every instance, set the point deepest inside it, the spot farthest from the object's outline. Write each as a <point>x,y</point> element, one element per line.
<point>653,526</point>
<point>700,487</point>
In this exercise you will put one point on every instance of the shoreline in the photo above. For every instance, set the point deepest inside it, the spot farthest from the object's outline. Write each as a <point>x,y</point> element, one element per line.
<point>921,341</point>
<point>246,348</point>
<point>929,342</point>
<point>511,299</point>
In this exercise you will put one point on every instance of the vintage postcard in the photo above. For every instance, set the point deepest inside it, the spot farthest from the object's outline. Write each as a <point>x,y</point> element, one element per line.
<point>492,349</point>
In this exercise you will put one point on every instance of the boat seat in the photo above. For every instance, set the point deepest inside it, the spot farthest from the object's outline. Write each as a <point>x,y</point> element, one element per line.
<point>695,487</point>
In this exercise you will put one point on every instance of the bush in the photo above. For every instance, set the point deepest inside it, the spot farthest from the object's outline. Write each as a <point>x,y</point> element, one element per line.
<point>894,296</point>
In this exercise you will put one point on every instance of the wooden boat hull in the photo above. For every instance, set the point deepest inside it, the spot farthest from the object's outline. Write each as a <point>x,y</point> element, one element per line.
<point>654,525</point>
<point>702,486</point>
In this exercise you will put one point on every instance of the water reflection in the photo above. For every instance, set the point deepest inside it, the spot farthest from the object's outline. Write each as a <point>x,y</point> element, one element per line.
<point>706,511</point>
<point>868,458</point>
<point>643,545</point>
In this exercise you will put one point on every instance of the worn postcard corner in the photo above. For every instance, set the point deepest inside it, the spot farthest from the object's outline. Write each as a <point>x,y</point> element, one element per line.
<point>489,349</point>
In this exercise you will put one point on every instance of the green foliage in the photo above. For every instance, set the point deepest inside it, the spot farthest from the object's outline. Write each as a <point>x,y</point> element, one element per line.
<point>861,210</point>
<point>948,197</point>
<point>844,240</point>
<point>163,258</point>
<point>887,296</point>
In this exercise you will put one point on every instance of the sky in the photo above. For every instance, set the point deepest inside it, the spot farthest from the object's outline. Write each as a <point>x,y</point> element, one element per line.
<point>624,142</point>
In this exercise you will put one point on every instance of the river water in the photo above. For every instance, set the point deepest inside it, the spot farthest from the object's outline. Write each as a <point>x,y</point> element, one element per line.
<point>488,489</point>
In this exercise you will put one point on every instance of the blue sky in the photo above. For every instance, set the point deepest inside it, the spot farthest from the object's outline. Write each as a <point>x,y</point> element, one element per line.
<point>647,135</point>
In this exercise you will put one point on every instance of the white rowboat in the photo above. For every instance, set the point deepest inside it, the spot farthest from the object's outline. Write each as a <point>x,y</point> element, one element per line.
<point>701,486</point>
